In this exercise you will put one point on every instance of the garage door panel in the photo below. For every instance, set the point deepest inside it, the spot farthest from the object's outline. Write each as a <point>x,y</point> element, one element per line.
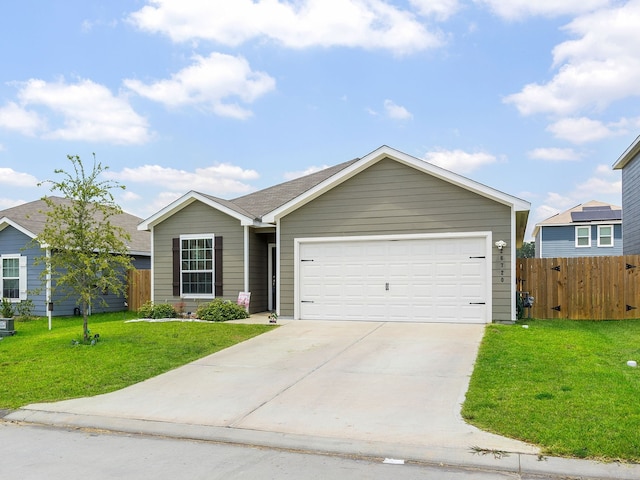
<point>405,280</point>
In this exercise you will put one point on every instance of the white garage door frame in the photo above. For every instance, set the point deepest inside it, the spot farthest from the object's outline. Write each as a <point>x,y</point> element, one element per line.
<point>486,236</point>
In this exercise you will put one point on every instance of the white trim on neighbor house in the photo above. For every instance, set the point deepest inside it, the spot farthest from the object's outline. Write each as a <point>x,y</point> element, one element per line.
<point>611,236</point>
<point>578,237</point>
<point>411,236</point>
<point>7,222</point>
<point>22,275</point>
<point>420,165</point>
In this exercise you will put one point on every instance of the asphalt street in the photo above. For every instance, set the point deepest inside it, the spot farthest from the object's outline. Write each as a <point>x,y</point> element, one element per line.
<point>36,453</point>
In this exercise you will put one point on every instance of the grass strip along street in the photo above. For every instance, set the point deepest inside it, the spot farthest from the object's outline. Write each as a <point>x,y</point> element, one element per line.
<point>564,385</point>
<point>39,365</point>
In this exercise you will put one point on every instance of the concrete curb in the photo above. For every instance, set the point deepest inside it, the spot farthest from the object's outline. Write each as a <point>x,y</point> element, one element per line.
<point>512,462</point>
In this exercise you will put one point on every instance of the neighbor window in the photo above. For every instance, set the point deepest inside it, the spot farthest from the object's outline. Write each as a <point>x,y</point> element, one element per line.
<point>583,236</point>
<point>13,277</point>
<point>605,235</point>
<point>197,265</point>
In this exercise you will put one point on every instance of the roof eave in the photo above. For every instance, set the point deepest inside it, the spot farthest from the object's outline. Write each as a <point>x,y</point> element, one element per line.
<point>628,155</point>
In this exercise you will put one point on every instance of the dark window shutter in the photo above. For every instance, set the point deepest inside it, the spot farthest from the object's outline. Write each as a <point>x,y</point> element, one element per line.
<point>176,267</point>
<point>217,248</point>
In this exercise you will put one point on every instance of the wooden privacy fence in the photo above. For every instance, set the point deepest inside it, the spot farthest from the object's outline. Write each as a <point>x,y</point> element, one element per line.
<point>139,288</point>
<point>582,288</point>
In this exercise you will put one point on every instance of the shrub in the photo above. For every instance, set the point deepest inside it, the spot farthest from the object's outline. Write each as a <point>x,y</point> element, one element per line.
<point>25,309</point>
<point>220,311</point>
<point>159,310</point>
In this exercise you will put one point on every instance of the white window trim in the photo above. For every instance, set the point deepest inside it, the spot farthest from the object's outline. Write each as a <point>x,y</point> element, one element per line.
<point>578,227</point>
<point>22,278</point>
<point>612,236</point>
<point>192,236</point>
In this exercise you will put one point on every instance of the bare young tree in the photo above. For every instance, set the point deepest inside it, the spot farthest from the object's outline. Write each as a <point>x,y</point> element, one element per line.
<point>86,255</point>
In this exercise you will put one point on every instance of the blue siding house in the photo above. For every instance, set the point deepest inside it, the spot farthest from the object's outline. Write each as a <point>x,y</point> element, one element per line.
<point>630,166</point>
<point>20,277</point>
<point>587,230</point>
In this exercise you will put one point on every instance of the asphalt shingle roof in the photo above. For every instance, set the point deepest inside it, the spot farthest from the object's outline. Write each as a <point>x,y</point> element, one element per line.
<point>264,201</point>
<point>32,217</point>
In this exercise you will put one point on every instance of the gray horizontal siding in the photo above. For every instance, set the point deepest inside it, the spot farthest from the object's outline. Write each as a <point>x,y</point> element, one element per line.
<point>198,218</point>
<point>391,198</point>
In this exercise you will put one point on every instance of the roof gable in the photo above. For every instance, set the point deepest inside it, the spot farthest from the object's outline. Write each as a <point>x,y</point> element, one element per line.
<point>225,206</point>
<point>356,166</point>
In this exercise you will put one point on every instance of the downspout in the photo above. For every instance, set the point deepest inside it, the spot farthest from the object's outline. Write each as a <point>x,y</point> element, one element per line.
<point>512,246</point>
<point>48,286</point>
<point>278,269</point>
<point>246,258</point>
<point>152,264</point>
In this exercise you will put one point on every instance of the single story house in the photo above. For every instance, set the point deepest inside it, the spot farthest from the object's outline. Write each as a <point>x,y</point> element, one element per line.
<point>385,237</point>
<point>629,163</point>
<point>587,230</point>
<point>20,277</point>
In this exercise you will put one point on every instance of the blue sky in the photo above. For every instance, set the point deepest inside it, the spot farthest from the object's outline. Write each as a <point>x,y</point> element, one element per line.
<point>537,99</point>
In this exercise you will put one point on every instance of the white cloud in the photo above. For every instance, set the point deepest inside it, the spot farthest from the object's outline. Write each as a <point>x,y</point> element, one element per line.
<point>596,69</point>
<point>222,179</point>
<point>302,173</point>
<point>300,24</point>
<point>14,117</point>
<point>554,154</point>
<point>518,9</point>
<point>209,83</point>
<point>89,111</point>
<point>10,177</point>
<point>440,9</point>
<point>459,161</point>
<point>396,112</point>
<point>580,130</point>
<point>10,202</point>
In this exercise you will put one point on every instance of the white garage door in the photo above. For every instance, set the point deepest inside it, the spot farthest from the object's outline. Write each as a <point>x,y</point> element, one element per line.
<point>406,280</point>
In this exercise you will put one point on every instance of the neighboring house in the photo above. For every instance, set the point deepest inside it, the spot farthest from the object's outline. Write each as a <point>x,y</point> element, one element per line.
<point>20,278</point>
<point>588,230</point>
<point>630,166</point>
<point>386,237</point>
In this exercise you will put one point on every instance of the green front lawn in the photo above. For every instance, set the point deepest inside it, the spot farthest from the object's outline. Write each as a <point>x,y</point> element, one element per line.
<point>38,365</point>
<point>564,385</point>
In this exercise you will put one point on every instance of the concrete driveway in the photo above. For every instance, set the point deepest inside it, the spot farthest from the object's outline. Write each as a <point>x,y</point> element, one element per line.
<point>369,388</point>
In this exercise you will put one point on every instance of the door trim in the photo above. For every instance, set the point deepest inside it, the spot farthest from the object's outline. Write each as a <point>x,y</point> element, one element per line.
<point>272,289</point>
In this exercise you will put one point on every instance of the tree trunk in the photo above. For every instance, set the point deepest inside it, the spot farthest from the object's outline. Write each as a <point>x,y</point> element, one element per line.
<point>85,323</point>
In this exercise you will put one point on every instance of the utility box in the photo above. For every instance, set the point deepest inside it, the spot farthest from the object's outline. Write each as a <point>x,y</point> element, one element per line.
<point>7,327</point>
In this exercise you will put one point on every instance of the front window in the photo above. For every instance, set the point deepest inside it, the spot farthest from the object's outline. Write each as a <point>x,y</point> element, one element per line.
<point>583,236</point>
<point>197,265</point>
<point>605,236</point>
<point>10,277</point>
